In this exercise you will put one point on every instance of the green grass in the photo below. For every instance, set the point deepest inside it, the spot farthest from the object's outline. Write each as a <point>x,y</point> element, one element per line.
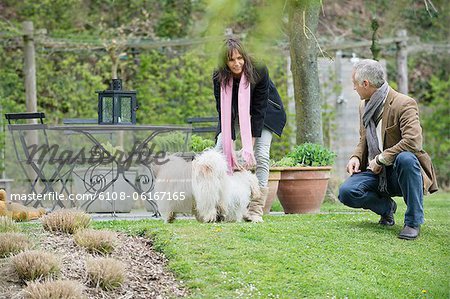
<point>334,254</point>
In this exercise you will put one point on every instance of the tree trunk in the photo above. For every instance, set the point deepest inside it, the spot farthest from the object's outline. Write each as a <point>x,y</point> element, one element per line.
<point>402,63</point>
<point>29,68</point>
<point>303,21</point>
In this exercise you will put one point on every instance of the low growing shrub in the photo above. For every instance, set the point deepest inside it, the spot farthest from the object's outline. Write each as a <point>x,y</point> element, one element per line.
<point>199,144</point>
<point>308,154</point>
<point>107,273</point>
<point>54,289</point>
<point>34,264</point>
<point>7,224</point>
<point>66,221</point>
<point>436,129</point>
<point>13,243</point>
<point>96,241</point>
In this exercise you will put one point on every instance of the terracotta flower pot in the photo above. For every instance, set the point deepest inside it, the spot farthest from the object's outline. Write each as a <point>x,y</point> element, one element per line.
<point>274,179</point>
<point>302,189</point>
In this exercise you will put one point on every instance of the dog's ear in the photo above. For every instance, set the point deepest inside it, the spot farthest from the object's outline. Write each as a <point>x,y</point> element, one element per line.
<point>206,170</point>
<point>201,168</point>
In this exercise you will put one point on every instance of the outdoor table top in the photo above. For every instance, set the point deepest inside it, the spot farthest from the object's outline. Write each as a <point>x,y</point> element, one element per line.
<point>119,127</point>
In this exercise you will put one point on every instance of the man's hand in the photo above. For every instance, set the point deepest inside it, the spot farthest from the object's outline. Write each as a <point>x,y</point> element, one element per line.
<point>353,165</point>
<point>374,166</point>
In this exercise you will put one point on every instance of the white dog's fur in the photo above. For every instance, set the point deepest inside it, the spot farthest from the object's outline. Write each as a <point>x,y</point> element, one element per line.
<point>209,178</point>
<point>213,195</point>
<point>242,186</point>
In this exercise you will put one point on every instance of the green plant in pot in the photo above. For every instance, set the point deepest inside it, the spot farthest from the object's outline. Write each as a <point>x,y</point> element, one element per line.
<point>304,178</point>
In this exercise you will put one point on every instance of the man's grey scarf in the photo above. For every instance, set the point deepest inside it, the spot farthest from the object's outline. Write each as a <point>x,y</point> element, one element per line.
<point>371,116</point>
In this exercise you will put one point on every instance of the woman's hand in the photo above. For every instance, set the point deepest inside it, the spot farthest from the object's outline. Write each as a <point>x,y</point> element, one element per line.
<point>241,163</point>
<point>237,157</point>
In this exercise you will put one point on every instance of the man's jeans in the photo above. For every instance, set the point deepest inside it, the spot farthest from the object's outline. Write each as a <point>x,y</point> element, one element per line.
<point>403,179</point>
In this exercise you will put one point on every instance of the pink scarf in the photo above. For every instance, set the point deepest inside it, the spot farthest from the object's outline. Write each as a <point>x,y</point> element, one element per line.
<point>244,123</point>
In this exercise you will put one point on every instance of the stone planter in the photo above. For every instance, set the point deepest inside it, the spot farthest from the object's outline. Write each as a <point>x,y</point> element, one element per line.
<point>274,179</point>
<point>107,204</point>
<point>302,189</point>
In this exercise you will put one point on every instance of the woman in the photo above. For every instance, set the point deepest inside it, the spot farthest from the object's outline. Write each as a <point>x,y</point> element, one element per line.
<point>248,103</point>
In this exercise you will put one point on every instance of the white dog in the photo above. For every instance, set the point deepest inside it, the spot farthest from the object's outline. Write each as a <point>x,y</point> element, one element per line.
<point>213,195</point>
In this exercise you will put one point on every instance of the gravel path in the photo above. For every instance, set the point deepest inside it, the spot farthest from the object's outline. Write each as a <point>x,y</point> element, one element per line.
<point>147,276</point>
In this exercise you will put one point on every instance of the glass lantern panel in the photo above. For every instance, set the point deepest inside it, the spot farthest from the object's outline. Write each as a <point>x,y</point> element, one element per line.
<point>125,110</point>
<point>107,109</point>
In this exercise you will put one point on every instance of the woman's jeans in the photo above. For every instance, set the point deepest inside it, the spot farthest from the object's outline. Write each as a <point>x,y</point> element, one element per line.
<point>262,155</point>
<point>403,179</point>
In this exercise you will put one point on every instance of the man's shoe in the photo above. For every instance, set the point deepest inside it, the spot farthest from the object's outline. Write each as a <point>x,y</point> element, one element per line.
<point>409,233</point>
<point>388,219</point>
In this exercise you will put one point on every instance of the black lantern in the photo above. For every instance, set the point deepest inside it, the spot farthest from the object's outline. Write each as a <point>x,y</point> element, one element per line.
<point>116,106</point>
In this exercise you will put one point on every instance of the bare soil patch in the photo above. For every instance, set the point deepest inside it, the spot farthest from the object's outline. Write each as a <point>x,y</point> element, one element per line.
<point>146,272</point>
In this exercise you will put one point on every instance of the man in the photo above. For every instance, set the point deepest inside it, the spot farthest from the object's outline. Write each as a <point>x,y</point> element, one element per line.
<point>389,159</point>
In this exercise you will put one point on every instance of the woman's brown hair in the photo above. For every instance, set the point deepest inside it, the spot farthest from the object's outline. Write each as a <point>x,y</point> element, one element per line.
<point>223,73</point>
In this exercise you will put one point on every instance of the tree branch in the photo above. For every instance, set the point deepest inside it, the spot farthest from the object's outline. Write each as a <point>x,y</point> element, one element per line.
<point>432,6</point>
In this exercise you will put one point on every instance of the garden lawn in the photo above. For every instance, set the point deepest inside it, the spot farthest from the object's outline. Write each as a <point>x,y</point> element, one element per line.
<point>340,253</point>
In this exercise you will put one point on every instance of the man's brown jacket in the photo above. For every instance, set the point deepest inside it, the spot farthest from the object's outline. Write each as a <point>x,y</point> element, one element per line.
<point>401,131</point>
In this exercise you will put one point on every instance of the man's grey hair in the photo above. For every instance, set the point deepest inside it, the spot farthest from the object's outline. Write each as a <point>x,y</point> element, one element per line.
<point>370,70</point>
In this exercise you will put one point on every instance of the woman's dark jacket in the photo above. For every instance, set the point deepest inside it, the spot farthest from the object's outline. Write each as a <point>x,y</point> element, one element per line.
<point>266,107</point>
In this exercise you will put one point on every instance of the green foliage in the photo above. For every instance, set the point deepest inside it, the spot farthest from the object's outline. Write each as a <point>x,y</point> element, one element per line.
<point>12,89</point>
<point>171,143</point>
<point>423,67</point>
<point>375,48</point>
<point>436,127</point>
<point>277,71</point>
<point>171,89</point>
<point>174,83</point>
<point>308,154</point>
<point>46,13</point>
<point>7,224</point>
<point>286,162</point>
<point>175,19</point>
<point>199,144</point>
<point>428,24</point>
<point>69,88</point>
